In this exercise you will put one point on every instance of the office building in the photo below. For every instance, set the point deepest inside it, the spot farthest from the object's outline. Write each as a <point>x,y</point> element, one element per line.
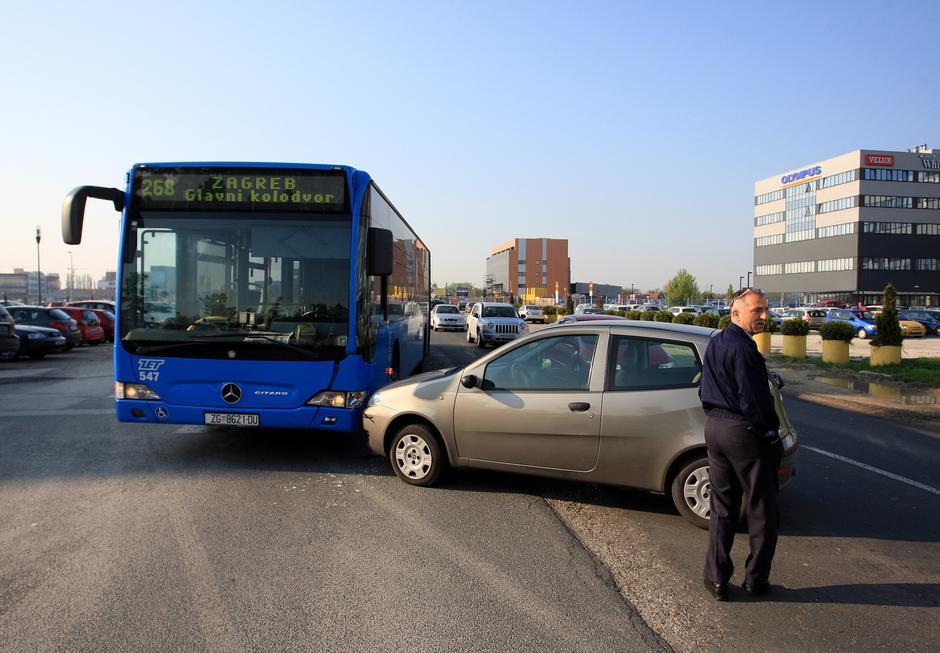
<point>842,228</point>
<point>529,269</point>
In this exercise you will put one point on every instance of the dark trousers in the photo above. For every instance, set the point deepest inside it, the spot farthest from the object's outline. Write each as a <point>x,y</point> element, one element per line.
<point>742,464</point>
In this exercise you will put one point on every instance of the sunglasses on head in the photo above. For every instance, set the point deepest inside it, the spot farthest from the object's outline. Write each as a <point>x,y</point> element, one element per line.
<point>741,293</point>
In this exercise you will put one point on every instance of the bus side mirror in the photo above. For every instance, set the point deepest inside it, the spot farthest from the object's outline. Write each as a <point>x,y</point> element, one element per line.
<point>73,209</point>
<point>379,252</point>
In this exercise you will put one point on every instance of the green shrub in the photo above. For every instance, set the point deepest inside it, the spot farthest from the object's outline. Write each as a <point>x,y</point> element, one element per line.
<point>550,310</point>
<point>633,315</point>
<point>837,331</point>
<point>770,325</point>
<point>648,316</point>
<point>795,327</point>
<point>683,318</point>
<point>724,322</point>
<point>888,331</point>
<point>662,316</point>
<point>709,320</point>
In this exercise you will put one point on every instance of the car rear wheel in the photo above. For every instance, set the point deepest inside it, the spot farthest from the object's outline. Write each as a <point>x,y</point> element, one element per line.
<point>862,333</point>
<point>691,490</point>
<point>416,456</point>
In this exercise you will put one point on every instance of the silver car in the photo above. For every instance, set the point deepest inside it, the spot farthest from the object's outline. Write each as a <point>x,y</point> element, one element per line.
<point>607,401</point>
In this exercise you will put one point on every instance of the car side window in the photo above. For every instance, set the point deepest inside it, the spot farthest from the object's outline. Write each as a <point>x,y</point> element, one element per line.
<point>648,364</point>
<point>561,362</point>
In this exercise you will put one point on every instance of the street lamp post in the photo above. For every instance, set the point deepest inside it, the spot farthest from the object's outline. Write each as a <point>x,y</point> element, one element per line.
<point>68,294</point>
<point>748,279</point>
<point>740,282</point>
<point>38,269</point>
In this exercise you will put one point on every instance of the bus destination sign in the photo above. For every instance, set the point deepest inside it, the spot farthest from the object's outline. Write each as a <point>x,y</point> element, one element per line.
<point>214,189</point>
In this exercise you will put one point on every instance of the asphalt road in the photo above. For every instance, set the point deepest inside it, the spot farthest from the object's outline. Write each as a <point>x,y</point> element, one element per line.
<point>124,537</point>
<point>121,537</point>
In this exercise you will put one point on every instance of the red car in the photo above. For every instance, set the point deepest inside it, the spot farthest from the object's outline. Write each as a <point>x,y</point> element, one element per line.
<point>88,323</point>
<point>106,318</point>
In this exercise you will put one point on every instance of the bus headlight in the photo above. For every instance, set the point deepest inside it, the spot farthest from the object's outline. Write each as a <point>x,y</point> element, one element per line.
<point>134,391</point>
<point>338,399</point>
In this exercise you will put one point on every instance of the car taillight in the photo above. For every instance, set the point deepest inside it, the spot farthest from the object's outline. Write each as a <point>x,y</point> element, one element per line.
<point>57,325</point>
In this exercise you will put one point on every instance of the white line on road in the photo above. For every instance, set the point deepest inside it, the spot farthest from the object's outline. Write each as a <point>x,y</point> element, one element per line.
<point>190,428</point>
<point>922,486</point>
<point>58,412</point>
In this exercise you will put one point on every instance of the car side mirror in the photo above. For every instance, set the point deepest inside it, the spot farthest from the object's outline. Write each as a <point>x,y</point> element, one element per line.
<point>470,381</point>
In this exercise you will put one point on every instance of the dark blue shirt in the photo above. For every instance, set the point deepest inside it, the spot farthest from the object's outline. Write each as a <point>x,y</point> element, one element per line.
<point>734,380</point>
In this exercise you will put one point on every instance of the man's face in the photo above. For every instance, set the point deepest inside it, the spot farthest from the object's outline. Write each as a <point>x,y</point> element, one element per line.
<point>750,312</point>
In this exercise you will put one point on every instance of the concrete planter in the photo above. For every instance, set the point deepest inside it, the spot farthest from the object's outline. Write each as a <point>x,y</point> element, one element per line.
<point>835,351</point>
<point>763,342</point>
<point>885,355</point>
<point>794,346</point>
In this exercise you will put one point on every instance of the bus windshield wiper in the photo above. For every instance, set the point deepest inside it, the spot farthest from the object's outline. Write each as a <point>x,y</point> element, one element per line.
<point>264,335</point>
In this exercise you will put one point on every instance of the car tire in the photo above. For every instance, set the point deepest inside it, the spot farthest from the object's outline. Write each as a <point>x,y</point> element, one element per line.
<point>862,334</point>
<point>69,347</point>
<point>469,336</point>
<point>37,355</point>
<point>690,491</point>
<point>417,456</point>
<point>480,342</point>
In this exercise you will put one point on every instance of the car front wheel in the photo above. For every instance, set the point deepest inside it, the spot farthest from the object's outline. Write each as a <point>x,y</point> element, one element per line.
<point>416,456</point>
<point>480,342</point>
<point>862,334</point>
<point>469,336</point>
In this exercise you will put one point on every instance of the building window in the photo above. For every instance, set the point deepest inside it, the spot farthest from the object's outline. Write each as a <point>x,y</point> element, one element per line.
<point>835,264</point>
<point>886,174</point>
<point>843,229</point>
<point>764,270</point>
<point>929,264</point>
<point>928,230</point>
<point>928,176</point>
<point>837,205</point>
<point>887,201</point>
<point>799,267</point>
<point>927,202</point>
<point>886,264</point>
<point>836,180</point>
<point>894,228</point>
<point>773,196</point>
<point>769,218</point>
<point>763,241</point>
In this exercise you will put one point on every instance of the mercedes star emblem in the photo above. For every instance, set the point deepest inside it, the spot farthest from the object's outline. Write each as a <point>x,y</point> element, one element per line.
<point>231,393</point>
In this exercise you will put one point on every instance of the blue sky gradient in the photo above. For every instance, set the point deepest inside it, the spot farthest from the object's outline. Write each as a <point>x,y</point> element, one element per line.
<point>634,130</point>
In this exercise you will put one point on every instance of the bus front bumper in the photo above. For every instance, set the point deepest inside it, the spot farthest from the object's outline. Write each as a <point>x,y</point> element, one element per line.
<point>304,417</point>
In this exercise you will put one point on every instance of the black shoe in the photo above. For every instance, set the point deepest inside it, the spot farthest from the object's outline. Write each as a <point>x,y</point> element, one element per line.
<point>719,591</point>
<point>759,588</point>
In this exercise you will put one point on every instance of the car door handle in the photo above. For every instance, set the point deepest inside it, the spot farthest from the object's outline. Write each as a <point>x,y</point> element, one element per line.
<point>578,406</point>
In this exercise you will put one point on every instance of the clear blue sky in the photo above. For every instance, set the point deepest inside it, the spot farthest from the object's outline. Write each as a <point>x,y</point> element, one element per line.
<point>634,130</point>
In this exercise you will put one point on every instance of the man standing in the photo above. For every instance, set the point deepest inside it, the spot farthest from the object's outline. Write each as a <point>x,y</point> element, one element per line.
<point>743,447</point>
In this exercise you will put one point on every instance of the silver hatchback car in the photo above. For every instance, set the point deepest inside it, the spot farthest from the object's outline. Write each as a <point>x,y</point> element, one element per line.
<point>607,401</point>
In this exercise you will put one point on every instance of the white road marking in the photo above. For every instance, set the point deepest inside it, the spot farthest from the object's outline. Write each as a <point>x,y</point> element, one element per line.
<point>190,428</point>
<point>916,484</point>
<point>58,412</point>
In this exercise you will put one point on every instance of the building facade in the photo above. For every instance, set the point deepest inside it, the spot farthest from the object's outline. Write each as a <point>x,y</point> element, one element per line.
<point>529,268</point>
<point>843,228</point>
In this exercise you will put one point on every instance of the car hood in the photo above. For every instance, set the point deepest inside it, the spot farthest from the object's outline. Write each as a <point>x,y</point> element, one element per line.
<point>30,328</point>
<point>427,384</point>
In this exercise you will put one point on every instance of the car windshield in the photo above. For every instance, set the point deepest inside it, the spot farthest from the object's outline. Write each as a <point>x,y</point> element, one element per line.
<point>58,314</point>
<point>250,281</point>
<point>864,315</point>
<point>532,308</point>
<point>446,309</point>
<point>918,315</point>
<point>499,311</point>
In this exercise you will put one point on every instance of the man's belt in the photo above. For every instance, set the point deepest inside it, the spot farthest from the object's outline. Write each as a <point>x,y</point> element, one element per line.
<point>727,414</point>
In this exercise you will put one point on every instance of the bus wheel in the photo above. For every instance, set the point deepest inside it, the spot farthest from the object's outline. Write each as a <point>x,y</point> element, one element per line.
<point>416,456</point>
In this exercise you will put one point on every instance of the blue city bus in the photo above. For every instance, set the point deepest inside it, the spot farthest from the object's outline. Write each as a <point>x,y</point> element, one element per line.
<point>259,294</point>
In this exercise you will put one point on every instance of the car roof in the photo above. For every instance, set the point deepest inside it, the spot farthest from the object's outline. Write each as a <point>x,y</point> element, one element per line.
<point>495,304</point>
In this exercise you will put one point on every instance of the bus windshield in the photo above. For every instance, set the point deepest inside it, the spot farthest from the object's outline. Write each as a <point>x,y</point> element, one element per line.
<point>237,285</point>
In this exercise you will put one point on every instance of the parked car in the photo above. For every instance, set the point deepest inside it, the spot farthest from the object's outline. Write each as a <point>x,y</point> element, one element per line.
<point>719,311</point>
<point>931,324</point>
<point>97,304</point>
<point>587,317</point>
<point>590,310</point>
<point>611,401</point>
<point>912,329</point>
<point>9,342</point>
<point>447,316</point>
<point>92,333</point>
<point>531,313</point>
<point>37,341</point>
<point>106,318</point>
<point>54,318</point>
<point>862,321</point>
<point>493,322</point>
<point>814,316</point>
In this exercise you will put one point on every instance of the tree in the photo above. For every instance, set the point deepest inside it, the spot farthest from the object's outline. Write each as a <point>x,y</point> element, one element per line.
<point>682,288</point>
<point>888,329</point>
<point>730,292</point>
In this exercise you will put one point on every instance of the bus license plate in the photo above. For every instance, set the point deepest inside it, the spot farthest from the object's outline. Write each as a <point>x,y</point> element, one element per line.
<point>232,419</point>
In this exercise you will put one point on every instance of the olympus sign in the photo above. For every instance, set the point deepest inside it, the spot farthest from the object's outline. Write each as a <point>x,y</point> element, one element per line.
<point>802,174</point>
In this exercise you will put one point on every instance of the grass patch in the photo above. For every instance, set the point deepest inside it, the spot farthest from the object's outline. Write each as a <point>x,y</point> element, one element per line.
<point>911,370</point>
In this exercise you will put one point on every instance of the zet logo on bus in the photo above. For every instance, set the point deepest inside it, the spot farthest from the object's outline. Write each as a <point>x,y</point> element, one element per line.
<point>802,174</point>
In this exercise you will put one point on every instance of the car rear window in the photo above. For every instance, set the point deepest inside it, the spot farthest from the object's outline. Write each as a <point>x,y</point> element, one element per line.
<point>59,314</point>
<point>817,313</point>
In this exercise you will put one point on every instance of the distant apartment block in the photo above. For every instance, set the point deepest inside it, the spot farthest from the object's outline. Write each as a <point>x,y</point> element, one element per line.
<point>529,268</point>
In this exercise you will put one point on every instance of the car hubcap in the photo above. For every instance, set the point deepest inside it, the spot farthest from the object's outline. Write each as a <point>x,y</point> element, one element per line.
<point>697,489</point>
<point>413,457</point>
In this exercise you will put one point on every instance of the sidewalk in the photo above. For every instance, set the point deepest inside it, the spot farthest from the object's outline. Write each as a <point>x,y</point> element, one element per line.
<point>928,346</point>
